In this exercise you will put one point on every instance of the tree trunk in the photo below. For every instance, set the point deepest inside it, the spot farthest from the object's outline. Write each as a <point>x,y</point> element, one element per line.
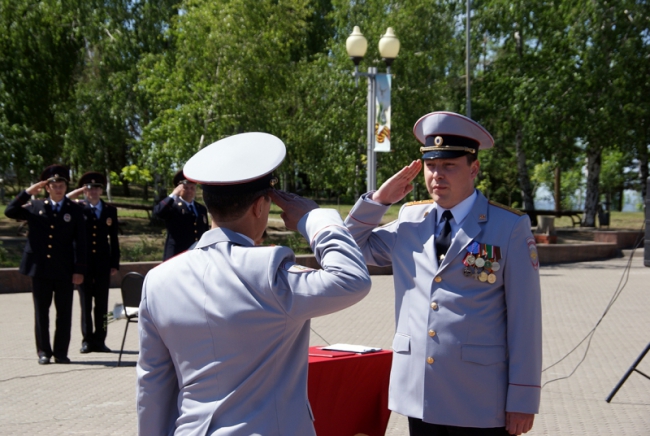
<point>643,170</point>
<point>593,176</point>
<point>558,190</point>
<point>522,170</point>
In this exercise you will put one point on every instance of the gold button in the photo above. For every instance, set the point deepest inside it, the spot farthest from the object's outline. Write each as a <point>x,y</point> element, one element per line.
<point>48,256</point>
<point>432,333</point>
<point>438,279</point>
<point>196,231</point>
<point>434,305</point>
<point>194,222</point>
<point>94,251</point>
<point>196,239</point>
<point>94,242</point>
<point>49,246</point>
<point>51,227</point>
<point>429,360</point>
<point>94,227</point>
<point>94,234</point>
<point>51,236</point>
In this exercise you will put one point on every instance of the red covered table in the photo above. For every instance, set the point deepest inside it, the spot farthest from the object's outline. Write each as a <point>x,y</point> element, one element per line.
<point>349,392</point>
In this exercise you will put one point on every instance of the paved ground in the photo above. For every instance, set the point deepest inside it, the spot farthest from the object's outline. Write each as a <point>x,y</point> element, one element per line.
<point>94,397</point>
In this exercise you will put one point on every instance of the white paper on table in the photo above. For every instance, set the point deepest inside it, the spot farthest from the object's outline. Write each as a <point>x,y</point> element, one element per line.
<point>351,348</point>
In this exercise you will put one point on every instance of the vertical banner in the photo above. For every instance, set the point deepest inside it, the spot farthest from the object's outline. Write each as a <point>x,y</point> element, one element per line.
<point>382,111</point>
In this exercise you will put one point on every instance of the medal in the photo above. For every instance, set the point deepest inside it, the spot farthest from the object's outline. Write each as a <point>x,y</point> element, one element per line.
<point>480,262</point>
<point>483,276</point>
<point>467,272</point>
<point>495,266</point>
<point>488,264</point>
<point>491,278</point>
<point>471,259</point>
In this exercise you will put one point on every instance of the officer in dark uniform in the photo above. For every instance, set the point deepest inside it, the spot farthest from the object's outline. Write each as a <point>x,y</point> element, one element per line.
<point>54,257</point>
<point>103,260</point>
<point>185,219</point>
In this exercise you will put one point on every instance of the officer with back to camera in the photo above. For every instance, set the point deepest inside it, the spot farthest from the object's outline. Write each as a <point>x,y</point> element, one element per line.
<point>224,327</point>
<point>185,219</point>
<point>103,260</point>
<point>54,257</point>
<point>467,350</point>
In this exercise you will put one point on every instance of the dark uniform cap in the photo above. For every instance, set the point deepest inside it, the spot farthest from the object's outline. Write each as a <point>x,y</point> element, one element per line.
<point>92,178</point>
<point>236,165</point>
<point>447,135</point>
<point>55,173</point>
<point>179,178</point>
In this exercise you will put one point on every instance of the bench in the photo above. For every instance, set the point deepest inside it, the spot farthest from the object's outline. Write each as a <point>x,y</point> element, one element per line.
<point>575,215</point>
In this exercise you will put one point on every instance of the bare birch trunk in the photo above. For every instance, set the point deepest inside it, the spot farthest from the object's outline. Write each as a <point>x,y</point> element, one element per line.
<point>522,170</point>
<point>592,195</point>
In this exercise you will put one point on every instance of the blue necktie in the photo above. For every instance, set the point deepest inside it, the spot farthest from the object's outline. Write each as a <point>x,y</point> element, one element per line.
<point>444,240</point>
<point>191,207</point>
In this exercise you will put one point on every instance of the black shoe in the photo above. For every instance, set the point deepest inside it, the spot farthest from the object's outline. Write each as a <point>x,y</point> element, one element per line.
<point>61,360</point>
<point>103,349</point>
<point>85,348</point>
<point>43,360</point>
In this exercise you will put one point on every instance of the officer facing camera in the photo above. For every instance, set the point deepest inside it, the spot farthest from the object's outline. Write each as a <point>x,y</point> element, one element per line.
<point>54,257</point>
<point>185,219</point>
<point>467,350</point>
<point>102,258</point>
<point>224,327</point>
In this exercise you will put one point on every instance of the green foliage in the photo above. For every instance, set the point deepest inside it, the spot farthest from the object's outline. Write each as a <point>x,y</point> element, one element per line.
<point>137,175</point>
<point>135,88</point>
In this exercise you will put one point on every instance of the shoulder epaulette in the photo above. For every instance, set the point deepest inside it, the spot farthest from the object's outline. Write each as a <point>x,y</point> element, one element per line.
<point>509,209</point>
<point>415,203</point>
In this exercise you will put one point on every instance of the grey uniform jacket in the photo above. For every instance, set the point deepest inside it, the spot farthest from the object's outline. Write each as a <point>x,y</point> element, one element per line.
<point>224,331</point>
<point>464,351</point>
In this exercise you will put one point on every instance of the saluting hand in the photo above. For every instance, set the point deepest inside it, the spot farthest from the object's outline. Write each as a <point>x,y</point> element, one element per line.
<point>177,190</point>
<point>72,195</point>
<point>35,188</point>
<point>294,207</point>
<point>396,188</point>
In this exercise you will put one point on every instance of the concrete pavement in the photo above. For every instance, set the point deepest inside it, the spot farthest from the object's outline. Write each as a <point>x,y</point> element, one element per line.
<point>94,397</point>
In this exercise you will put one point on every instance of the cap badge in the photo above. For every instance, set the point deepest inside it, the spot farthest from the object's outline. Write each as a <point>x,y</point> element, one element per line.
<point>438,141</point>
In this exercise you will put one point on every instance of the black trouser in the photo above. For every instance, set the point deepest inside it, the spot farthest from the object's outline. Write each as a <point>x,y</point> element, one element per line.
<point>94,287</point>
<point>417,427</point>
<point>42,291</point>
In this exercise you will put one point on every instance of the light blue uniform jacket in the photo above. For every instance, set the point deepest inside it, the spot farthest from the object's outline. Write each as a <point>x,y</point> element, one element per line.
<point>224,331</point>
<point>486,343</point>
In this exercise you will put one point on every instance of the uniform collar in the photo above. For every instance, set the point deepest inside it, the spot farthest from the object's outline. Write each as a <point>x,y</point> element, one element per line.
<point>221,234</point>
<point>460,211</point>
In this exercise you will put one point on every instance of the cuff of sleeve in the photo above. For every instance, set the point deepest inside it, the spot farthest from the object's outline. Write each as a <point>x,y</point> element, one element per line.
<point>315,220</point>
<point>523,399</point>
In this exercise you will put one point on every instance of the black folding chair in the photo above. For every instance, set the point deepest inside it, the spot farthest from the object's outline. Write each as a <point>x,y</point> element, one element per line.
<point>131,295</point>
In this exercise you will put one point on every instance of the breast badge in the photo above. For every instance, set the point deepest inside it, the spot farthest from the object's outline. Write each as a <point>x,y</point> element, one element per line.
<point>109,221</point>
<point>67,217</point>
<point>482,261</point>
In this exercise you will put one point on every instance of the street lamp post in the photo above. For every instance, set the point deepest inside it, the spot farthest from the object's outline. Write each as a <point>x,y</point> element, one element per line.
<point>356,46</point>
